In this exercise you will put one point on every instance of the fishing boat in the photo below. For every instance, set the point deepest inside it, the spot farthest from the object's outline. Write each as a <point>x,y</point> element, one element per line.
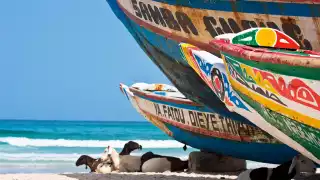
<point>276,84</point>
<point>159,26</point>
<point>198,126</point>
<point>279,81</point>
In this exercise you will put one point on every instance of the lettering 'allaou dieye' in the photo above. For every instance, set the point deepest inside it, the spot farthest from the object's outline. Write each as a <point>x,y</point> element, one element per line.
<point>266,37</point>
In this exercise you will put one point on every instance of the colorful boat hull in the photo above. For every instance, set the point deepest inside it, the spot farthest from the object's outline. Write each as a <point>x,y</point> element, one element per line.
<point>213,72</point>
<point>266,92</point>
<point>282,86</point>
<point>202,128</point>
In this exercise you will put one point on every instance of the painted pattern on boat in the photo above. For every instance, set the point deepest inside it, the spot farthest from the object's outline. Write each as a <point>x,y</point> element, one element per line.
<point>298,117</point>
<point>212,71</point>
<point>290,103</point>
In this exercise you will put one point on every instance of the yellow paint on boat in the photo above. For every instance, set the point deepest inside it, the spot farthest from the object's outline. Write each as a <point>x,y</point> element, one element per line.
<point>275,106</point>
<point>189,58</point>
<point>266,37</point>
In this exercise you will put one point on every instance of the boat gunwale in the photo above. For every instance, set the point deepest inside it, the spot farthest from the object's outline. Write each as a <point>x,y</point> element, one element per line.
<point>264,55</point>
<point>163,98</point>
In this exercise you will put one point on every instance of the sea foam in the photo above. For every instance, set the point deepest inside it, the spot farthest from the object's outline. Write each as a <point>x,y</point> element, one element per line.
<point>22,141</point>
<point>29,157</point>
<point>42,157</point>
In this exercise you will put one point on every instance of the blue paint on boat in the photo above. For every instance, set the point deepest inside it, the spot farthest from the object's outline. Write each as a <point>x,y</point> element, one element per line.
<point>254,7</point>
<point>167,46</point>
<point>269,153</point>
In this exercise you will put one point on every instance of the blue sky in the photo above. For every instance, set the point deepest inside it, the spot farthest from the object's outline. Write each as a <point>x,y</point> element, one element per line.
<point>64,60</point>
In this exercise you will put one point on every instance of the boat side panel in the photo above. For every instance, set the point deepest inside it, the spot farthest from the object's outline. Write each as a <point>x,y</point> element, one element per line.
<point>288,103</point>
<point>202,122</point>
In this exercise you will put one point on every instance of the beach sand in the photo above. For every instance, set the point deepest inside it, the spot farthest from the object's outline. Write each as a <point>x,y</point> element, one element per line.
<point>124,176</point>
<point>147,176</point>
<point>34,177</point>
<point>115,176</point>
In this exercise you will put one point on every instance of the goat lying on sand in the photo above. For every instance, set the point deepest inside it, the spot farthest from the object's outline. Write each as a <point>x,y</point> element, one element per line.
<point>97,165</point>
<point>148,162</point>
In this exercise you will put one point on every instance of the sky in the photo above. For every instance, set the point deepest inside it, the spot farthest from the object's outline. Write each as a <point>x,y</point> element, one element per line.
<point>64,60</point>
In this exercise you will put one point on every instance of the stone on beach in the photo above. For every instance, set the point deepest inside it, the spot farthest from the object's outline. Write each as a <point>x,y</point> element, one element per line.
<point>210,162</point>
<point>156,165</point>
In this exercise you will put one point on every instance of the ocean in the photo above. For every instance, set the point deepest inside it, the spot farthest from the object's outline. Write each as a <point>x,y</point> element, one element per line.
<point>28,146</point>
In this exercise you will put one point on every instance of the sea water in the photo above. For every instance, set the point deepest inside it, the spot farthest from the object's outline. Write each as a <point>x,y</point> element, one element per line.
<point>54,146</point>
<point>28,146</point>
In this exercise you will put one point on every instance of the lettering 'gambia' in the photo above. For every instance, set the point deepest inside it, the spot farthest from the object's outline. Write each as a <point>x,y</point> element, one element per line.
<point>204,120</point>
<point>181,22</point>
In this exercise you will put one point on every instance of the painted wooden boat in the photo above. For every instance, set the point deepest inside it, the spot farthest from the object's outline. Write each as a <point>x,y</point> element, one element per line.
<point>202,128</point>
<point>210,18</point>
<point>275,88</point>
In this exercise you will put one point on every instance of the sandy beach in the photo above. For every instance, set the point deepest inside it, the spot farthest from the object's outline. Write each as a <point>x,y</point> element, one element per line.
<point>115,176</point>
<point>34,177</point>
<point>126,176</point>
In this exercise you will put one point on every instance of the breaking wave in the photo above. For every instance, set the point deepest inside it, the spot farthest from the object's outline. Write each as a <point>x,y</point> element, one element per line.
<point>22,141</point>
